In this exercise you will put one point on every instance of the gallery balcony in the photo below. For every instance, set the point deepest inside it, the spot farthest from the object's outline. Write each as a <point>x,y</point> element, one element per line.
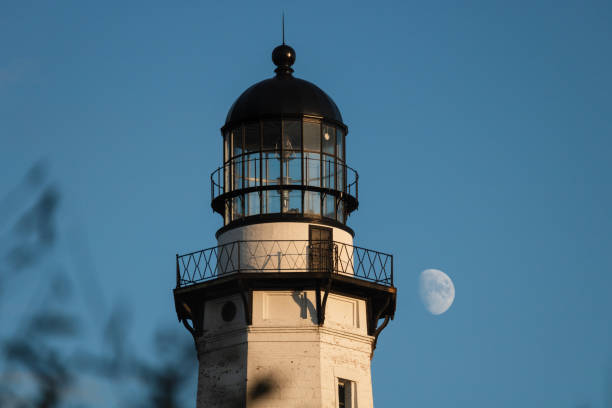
<point>285,259</point>
<point>285,265</point>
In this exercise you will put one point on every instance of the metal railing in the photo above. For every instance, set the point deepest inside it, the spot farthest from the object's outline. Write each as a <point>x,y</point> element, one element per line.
<point>323,172</point>
<point>284,256</point>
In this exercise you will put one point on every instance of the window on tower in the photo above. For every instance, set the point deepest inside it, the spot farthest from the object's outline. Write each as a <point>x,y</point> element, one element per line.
<point>345,393</point>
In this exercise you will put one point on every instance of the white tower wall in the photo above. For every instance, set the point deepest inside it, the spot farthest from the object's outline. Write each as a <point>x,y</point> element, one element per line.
<point>284,359</point>
<point>277,247</point>
<point>279,231</point>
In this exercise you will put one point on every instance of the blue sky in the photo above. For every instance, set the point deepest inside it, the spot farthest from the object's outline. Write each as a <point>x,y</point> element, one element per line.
<point>481,132</point>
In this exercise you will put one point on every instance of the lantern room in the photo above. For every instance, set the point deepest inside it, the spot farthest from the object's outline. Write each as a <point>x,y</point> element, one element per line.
<point>284,155</point>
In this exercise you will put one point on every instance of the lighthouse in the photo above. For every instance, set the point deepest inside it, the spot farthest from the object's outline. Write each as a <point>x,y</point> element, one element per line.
<point>285,310</point>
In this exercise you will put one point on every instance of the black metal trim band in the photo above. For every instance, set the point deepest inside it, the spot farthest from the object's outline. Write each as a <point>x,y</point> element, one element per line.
<point>218,203</point>
<point>260,118</point>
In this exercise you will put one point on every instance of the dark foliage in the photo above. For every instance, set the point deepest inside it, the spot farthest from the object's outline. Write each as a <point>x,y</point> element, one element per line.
<point>46,352</point>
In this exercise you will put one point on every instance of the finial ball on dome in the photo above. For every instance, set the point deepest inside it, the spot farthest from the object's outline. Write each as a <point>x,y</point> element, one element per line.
<point>283,57</point>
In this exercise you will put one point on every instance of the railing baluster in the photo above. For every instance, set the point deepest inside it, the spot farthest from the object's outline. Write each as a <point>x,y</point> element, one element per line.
<point>178,272</point>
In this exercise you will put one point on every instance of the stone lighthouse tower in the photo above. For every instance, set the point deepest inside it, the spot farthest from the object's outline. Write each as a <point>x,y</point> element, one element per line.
<point>285,310</point>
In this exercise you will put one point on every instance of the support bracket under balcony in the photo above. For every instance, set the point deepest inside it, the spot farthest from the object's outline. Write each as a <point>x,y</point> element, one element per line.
<point>246,296</point>
<point>322,303</point>
<point>379,328</point>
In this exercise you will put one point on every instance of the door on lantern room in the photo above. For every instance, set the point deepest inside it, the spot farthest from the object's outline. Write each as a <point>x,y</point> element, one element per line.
<point>321,249</point>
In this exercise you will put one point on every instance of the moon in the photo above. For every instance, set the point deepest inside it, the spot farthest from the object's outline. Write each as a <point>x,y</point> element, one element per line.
<point>437,291</point>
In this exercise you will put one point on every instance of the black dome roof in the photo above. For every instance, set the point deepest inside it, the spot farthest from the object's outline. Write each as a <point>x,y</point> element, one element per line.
<point>282,95</point>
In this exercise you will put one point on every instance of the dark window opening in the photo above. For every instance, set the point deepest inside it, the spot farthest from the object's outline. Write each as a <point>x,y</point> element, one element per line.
<point>321,249</point>
<point>345,397</point>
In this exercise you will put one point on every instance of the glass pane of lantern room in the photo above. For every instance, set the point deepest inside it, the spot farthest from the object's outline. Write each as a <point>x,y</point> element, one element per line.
<point>292,135</point>
<point>237,208</point>
<point>329,206</point>
<point>329,139</point>
<point>292,168</point>
<point>271,201</point>
<point>252,141</point>
<point>340,144</point>
<point>295,202</point>
<point>237,141</point>
<point>312,203</point>
<point>227,177</point>
<point>251,170</point>
<point>272,135</point>
<point>237,172</point>
<point>270,168</point>
<point>340,212</point>
<point>228,212</point>
<point>341,171</point>
<point>312,169</point>
<point>312,135</point>
<point>252,203</point>
<point>226,146</point>
<point>329,172</point>
<point>292,147</point>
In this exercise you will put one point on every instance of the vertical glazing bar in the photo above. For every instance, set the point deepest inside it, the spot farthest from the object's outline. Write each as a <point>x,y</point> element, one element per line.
<point>242,157</point>
<point>326,174</point>
<point>321,196</point>
<point>336,186</point>
<point>305,176</point>
<point>225,185</point>
<point>282,157</point>
<point>260,167</point>
<point>230,187</point>
<point>302,161</point>
<point>281,163</point>
<point>267,192</point>
<point>231,160</point>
